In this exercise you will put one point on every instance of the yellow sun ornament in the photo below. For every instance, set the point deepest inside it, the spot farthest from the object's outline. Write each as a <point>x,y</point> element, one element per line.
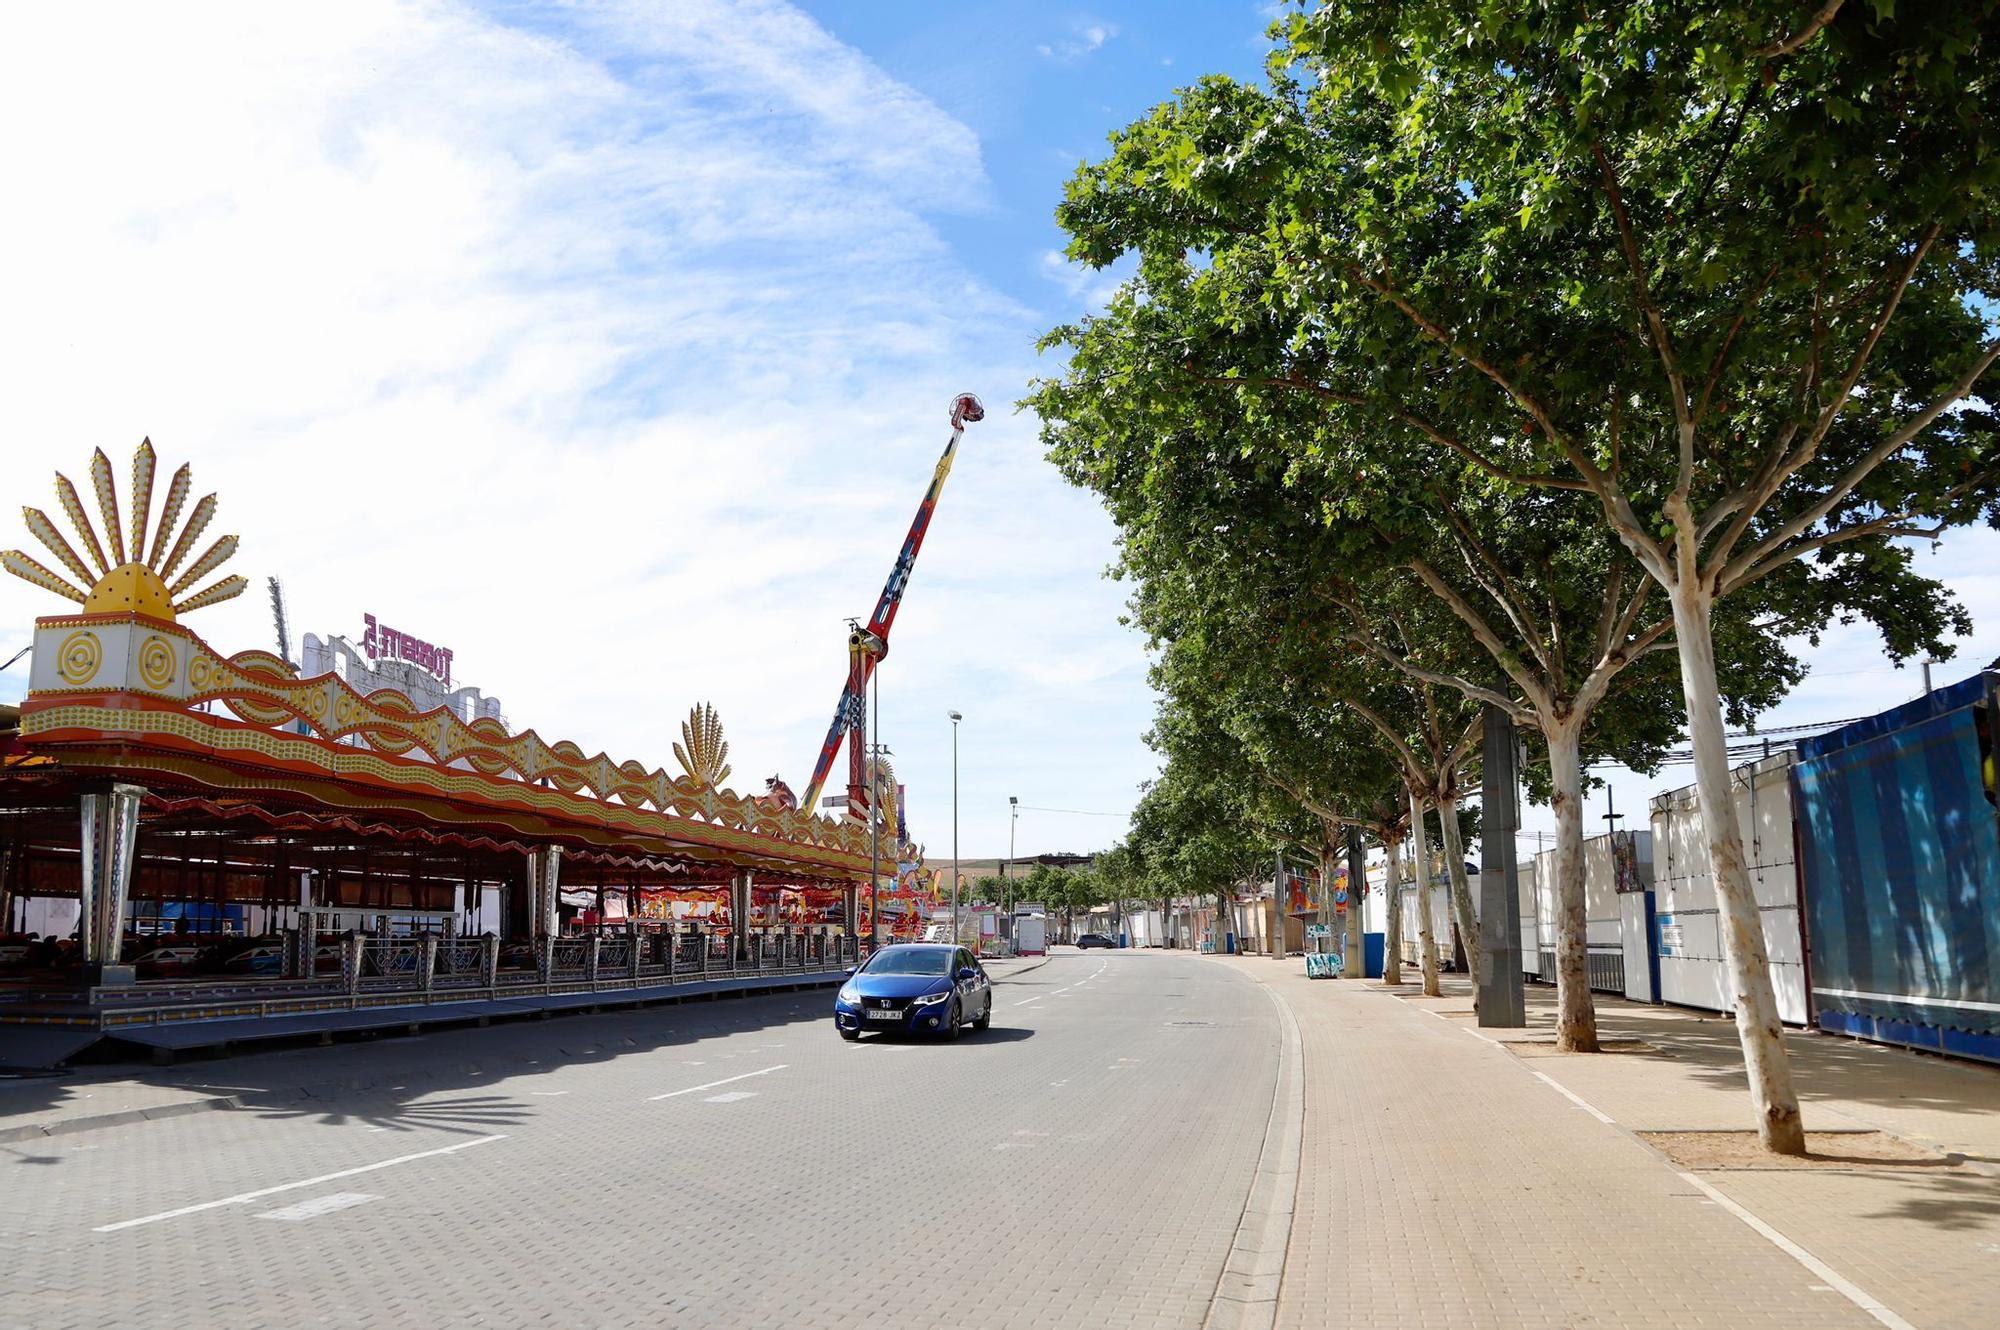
<point>109,578</point>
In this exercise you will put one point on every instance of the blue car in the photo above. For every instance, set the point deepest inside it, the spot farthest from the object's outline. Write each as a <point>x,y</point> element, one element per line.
<point>921,988</point>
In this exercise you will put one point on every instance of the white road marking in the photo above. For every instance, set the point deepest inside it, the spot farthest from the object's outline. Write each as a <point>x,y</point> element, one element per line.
<point>730,1096</point>
<point>675,1094</point>
<point>1574,1098</point>
<point>1860,1297</point>
<point>320,1205</point>
<point>1854,1293</point>
<point>262,1192</point>
<point>1065,988</point>
<point>548,1094</point>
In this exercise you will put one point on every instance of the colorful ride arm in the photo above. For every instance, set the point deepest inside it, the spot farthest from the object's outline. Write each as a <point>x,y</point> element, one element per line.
<point>870,642</point>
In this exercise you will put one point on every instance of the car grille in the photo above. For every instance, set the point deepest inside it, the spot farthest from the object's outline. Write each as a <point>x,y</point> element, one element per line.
<point>883,1004</point>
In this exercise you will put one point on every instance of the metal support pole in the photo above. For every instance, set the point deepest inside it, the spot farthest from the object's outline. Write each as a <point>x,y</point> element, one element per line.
<point>1502,1003</point>
<point>740,889</point>
<point>1355,964</point>
<point>955,718</point>
<point>551,875</point>
<point>1013,824</point>
<point>1278,910</point>
<point>875,818</point>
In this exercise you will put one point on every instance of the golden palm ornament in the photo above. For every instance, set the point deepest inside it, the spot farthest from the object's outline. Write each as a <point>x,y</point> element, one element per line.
<point>109,578</point>
<point>706,756</point>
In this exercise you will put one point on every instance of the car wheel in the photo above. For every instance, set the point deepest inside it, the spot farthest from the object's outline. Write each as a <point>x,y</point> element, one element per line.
<point>849,1035</point>
<point>951,1022</point>
<point>985,1017</point>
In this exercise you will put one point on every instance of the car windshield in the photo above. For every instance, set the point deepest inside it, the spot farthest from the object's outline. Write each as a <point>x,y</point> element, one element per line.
<point>908,960</point>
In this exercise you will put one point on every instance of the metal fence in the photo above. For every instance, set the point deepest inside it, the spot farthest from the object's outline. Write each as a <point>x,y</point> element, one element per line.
<point>1606,968</point>
<point>432,965</point>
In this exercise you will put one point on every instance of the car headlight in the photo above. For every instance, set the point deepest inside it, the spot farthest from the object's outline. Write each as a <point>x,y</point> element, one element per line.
<point>932,999</point>
<point>849,996</point>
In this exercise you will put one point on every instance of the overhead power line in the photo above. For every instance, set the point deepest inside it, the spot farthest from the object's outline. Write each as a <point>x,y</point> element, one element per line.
<point>1073,812</point>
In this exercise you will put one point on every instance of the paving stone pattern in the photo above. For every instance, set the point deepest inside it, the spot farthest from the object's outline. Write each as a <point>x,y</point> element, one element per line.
<point>1441,1184</point>
<point>1083,1164</point>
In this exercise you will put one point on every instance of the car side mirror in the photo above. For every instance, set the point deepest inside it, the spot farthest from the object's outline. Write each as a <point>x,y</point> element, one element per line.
<point>968,973</point>
<point>851,969</point>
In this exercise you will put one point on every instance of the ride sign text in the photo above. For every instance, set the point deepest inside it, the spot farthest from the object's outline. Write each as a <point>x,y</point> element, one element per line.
<point>389,644</point>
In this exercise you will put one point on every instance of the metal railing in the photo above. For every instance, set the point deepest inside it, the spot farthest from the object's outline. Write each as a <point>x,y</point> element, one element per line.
<point>391,958</point>
<point>569,955</point>
<point>1606,968</point>
<point>460,960</point>
<point>427,969</point>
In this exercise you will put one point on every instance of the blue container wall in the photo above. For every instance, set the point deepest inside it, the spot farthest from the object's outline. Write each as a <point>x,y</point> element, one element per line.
<point>1900,851</point>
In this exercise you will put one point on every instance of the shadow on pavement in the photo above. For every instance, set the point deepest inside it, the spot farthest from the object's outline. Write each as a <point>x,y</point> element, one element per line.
<point>433,1081</point>
<point>1958,1203</point>
<point>999,1034</point>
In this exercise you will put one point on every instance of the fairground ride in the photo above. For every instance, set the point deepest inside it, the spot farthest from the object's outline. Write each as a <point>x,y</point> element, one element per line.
<point>868,643</point>
<point>870,782</point>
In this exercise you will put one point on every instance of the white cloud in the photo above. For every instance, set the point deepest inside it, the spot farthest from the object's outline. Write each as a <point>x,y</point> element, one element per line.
<point>1089,287</point>
<point>1087,36</point>
<point>612,350</point>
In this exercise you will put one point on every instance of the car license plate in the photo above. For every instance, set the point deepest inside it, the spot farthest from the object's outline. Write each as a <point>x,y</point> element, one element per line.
<point>885,1015</point>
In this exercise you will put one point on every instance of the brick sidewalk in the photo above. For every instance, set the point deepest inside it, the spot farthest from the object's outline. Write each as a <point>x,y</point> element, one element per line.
<point>1443,1183</point>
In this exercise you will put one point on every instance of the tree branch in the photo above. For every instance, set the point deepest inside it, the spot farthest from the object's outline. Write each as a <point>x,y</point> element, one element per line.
<point>1532,688</point>
<point>1721,356</point>
<point>1787,45</point>
<point>1361,637</point>
<point>1750,499</point>
<point>1427,428</point>
<point>1617,506</point>
<point>1733,574</point>
<point>1511,603</point>
<point>1613,597</point>
<point>1656,323</point>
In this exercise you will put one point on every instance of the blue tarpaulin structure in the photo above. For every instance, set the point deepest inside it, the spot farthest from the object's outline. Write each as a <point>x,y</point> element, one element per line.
<point>1900,851</point>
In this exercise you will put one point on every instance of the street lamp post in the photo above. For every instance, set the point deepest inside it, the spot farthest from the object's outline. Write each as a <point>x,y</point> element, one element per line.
<point>955,719</point>
<point>1013,824</point>
<point>875,821</point>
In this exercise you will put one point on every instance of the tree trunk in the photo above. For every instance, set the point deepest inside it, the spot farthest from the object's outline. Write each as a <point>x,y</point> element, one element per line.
<point>1392,923</point>
<point>1461,890</point>
<point>1356,960</point>
<point>1576,1014</point>
<point>1427,947</point>
<point>1757,1026</point>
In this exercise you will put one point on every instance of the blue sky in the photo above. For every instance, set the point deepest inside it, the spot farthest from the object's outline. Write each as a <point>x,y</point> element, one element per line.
<point>611,348</point>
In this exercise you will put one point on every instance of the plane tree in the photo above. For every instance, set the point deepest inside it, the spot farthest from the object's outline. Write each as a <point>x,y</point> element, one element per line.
<point>1722,273</point>
<point>1246,504</point>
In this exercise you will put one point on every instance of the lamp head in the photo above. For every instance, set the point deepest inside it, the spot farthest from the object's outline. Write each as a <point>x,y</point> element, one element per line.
<point>955,717</point>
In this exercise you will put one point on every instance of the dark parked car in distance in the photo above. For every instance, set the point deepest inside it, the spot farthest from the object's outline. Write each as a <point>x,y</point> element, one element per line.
<point>1089,940</point>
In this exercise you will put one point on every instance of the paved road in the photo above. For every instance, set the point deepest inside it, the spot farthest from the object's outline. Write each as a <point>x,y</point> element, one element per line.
<point>1085,1162</point>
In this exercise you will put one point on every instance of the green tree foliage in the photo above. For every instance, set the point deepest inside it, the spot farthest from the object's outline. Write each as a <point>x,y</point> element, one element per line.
<point>1711,280</point>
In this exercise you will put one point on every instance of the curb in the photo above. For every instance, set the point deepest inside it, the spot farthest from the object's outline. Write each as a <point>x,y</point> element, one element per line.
<point>70,1126</point>
<point>1025,969</point>
<point>1246,1294</point>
